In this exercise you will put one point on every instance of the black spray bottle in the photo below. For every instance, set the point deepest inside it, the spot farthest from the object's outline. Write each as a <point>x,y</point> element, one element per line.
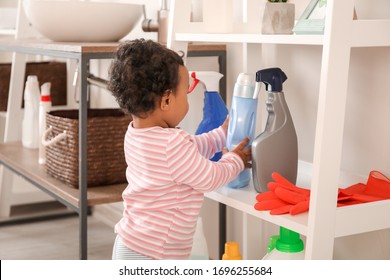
<point>276,148</point>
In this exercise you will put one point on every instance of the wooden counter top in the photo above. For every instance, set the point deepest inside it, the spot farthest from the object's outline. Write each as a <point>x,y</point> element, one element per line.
<point>10,44</point>
<point>25,162</point>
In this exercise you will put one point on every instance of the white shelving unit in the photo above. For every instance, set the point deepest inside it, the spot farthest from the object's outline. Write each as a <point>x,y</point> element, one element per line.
<point>324,221</point>
<point>13,190</point>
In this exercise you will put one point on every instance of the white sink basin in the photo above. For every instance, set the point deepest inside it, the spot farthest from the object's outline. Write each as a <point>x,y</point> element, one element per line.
<point>82,21</point>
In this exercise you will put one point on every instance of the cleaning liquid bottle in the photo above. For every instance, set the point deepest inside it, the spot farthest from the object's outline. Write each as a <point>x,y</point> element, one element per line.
<point>30,123</point>
<point>232,251</point>
<point>287,246</point>
<point>199,246</point>
<point>44,107</point>
<point>242,120</point>
<point>214,108</point>
<point>276,148</point>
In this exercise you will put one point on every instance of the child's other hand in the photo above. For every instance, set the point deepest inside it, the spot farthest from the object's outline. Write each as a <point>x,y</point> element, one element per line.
<point>244,153</point>
<point>225,125</point>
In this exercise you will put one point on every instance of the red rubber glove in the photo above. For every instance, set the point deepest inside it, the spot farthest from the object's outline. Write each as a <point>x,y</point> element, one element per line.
<point>345,196</point>
<point>377,188</point>
<point>284,197</point>
<point>269,201</point>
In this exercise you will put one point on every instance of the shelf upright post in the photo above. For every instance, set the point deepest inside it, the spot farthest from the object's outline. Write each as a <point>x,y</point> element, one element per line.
<point>83,160</point>
<point>180,11</point>
<point>13,120</point>
<point>14,112</point>
<point>329,129</point>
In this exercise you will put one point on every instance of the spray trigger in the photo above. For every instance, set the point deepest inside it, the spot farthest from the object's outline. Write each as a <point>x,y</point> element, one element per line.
<point>194,83</point>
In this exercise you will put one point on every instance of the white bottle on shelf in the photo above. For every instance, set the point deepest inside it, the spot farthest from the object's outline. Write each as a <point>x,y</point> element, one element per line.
<point>44,107</point>
<point>30,125</point>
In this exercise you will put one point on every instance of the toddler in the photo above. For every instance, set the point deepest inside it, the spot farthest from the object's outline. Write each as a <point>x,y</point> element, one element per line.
<point>168,170</point>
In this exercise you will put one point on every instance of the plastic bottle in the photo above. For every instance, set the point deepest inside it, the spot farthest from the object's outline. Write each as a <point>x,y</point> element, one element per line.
<point>276,148</point>
<point>286,246</point>
<point>214,108</point>
<point>242,120</point>
<point>44,107</point>
<point>232,251</point>
<point>199,246</point>
<point>30,124</point>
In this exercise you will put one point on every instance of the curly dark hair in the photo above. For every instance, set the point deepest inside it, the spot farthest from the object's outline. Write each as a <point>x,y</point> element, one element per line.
<point>141,73</point>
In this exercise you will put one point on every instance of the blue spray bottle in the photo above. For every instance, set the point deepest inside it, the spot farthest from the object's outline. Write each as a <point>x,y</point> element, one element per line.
<point>242,120</point>
<point>214,108</point>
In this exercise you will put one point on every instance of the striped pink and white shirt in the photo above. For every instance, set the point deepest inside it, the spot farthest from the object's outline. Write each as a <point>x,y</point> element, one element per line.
<point>168,173</point>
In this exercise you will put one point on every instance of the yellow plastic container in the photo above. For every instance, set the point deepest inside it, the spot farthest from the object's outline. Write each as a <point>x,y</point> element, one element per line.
<point>232,251</point>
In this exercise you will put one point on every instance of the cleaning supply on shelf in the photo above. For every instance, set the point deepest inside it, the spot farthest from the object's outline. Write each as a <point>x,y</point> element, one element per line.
<point>284,197</point>
<point>199,246</point>
<point>276,148</point>
<point>30,124</point>
<point>232,251</point>
<point>287,246</point>
<point>214,108</point>
<point>44,107</point>
<point>377,188</point>
<point>242,120</point>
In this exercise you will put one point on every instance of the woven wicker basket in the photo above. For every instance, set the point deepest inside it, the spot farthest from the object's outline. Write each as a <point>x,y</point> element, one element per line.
<point>106,162</point>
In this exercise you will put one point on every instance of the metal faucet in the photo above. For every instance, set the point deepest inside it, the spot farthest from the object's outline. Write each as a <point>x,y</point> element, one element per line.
<point>161,25</point>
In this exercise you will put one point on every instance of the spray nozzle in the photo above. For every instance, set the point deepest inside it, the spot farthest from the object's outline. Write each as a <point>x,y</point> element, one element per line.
<point>289,241</point>
<point>194,83</point>
<point>273,78</point>
<point>209,80</point>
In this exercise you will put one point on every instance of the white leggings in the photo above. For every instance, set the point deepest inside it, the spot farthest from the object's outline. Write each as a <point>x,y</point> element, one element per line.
<point>121,252</point>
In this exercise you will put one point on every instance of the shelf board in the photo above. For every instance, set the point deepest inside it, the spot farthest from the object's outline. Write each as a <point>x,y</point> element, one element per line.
<point>24,162</point>
<point>8,32</point>
<point>251,38</point>
<point>362,218</point>
<point>346,223</point>
<point>364,33</point>
<point>244,199</point>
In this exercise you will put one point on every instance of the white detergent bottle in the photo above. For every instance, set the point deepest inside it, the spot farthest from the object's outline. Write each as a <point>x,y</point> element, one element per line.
<point>44,107</point>
<point>199,246</point>
<point>30,124</point>
<point>287,246</point>
<point>242,120</point>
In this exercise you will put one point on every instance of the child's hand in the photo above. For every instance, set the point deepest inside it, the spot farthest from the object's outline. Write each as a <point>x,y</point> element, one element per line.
<point>244,153</point>
<point>225,124</point>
